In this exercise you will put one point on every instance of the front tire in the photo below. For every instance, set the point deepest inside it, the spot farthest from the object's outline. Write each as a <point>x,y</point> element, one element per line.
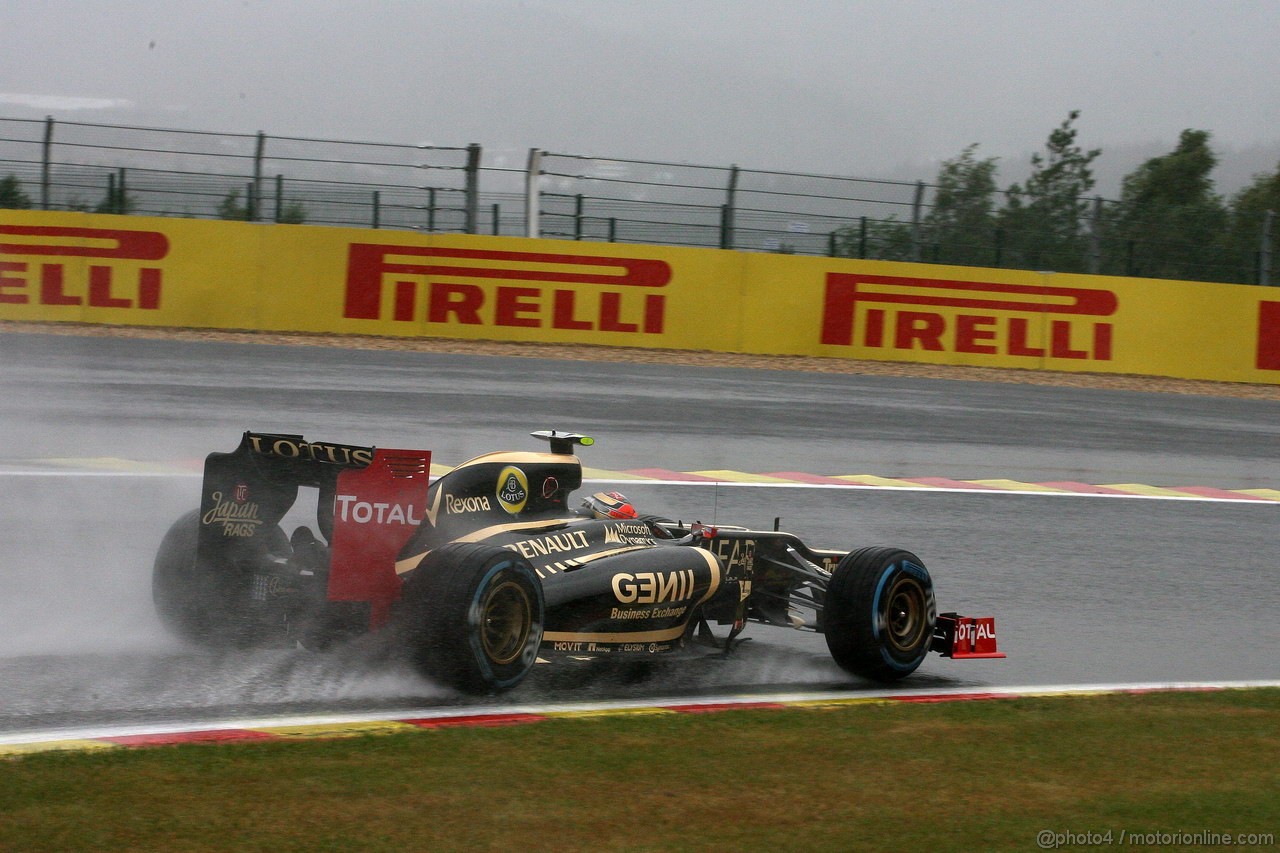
<point>471,616</point>
<point>879,613</point>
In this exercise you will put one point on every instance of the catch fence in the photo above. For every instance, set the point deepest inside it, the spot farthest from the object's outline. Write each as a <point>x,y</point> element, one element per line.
<point>60,165</point>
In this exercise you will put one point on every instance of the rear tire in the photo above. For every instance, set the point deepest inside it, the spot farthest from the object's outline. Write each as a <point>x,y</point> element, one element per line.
<point>879,613</point>
<point>206,603</point>
<point>471,617</point>
<point>195,600</point>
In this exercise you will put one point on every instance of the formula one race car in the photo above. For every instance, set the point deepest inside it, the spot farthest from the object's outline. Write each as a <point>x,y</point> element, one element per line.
<point>488,567</point>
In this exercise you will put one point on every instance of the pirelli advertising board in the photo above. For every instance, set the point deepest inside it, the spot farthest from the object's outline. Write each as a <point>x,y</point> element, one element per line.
<point>231,275</point>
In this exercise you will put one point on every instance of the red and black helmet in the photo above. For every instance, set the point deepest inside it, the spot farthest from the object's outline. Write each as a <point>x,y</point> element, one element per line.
<point>609,505</point>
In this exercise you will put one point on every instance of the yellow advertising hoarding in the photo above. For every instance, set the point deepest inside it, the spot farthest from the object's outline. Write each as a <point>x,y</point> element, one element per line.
<point>232,275</point>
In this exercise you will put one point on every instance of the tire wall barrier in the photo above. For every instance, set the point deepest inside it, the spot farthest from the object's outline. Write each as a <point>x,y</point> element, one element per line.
<point>138,271</point>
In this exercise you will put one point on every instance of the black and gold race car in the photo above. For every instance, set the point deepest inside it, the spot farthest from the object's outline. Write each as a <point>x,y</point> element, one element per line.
<point>479,572</point>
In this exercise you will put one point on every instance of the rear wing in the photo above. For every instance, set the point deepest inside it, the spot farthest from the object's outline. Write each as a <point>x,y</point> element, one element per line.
<point>370,501</point>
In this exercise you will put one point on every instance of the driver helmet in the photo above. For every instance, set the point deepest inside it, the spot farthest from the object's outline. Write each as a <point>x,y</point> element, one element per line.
<point>609,505</point>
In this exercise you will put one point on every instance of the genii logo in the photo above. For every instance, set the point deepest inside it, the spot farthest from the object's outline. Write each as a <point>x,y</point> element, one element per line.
<point>513,489</point>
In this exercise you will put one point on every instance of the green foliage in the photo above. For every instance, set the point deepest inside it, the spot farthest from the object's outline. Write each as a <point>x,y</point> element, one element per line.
<point>1169,223</point>
<point>11,195</point>
<point>1247,217</point>
<point>951,776</point>
<point>231,208</point>
<point>292,213</point>
<point>883,240</point>
<point>116,201</point>
<point>961,223</point>
<point>1044,219</point>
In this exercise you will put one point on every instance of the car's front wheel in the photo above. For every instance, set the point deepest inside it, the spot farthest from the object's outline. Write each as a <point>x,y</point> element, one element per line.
<point>879,613</point>
<point>471,617</point>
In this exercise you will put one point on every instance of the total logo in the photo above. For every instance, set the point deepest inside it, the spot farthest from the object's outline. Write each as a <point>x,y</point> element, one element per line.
<point>971,632</point>
<point>351,508</point>
<point>513,489</point>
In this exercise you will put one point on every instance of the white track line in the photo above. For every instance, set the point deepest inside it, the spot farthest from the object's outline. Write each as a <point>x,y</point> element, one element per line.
<point>1025,493</point>
<point>834,696</point>
<point>738,484</point>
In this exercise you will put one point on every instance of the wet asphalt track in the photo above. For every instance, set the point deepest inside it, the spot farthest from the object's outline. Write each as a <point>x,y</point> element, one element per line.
<point>1085,589</point>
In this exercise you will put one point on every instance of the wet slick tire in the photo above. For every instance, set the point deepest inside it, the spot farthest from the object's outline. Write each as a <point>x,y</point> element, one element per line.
<point>470,617</point>
<point>200,602</point>
<point>879,613</point>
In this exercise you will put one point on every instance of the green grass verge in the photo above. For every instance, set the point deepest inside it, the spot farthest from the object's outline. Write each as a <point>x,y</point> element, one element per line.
<point>955,776</point>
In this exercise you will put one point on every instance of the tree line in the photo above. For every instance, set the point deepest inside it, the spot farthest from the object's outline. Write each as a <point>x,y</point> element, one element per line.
<point>1168,222</point>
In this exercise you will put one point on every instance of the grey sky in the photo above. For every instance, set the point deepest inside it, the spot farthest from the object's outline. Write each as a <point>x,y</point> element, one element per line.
<point>871,88</point>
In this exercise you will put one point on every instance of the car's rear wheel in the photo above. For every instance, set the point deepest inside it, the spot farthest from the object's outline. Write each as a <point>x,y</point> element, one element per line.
<point>196,600</point>
<point>471,617</point>
<point>879,613</point>
<point>204,602</point>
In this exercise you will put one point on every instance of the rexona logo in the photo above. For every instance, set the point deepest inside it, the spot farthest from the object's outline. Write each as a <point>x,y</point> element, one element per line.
<point>534,290</point>
<point>460,506</point>
<point>1269,336</point>
<point>116,277</point>
<point>991,318</point>
<point>513,489</point>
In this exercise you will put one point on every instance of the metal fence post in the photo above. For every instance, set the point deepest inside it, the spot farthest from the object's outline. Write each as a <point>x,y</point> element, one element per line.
<point>497,218</point>
<point>1264,256</point>
<point>532,201</point>
<point>377,208</point>
<point>255,197</point>
<point>431,209</point>
<point>916,205</point>
<point>279,197</point>
<point>46,157</point>
<point>577,217</point>
<point>726,212</point>
<point>1095,237</point>
<point>473,187</point>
